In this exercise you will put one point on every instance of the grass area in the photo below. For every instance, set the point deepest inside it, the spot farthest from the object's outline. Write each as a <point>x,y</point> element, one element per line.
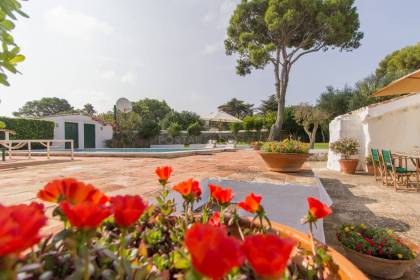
<point>321,146</point>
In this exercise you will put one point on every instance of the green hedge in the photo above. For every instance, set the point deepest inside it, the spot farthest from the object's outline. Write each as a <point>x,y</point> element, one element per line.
<point>29,129</point>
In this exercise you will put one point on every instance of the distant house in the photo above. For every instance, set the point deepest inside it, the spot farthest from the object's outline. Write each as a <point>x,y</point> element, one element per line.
<point>393,124</point>
<point>86,131</point>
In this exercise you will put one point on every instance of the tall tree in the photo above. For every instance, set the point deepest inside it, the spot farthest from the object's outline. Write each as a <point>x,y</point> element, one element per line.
<point>237,108</point>
<point>310,118</point>
<point>151,108</point>
<point>184,119</point>
<point>46,106</point>
<point>279,32</point>
<point>9,52</point>
<point>335,101</point>
<point>268,105</point>
<point>88,109</point>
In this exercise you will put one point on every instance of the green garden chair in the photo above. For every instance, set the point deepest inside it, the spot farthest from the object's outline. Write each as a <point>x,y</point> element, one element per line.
<point>377,165</point>
<point>398,175</point>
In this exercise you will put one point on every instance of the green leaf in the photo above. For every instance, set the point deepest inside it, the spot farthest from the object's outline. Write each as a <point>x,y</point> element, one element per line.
<point>17,59</point>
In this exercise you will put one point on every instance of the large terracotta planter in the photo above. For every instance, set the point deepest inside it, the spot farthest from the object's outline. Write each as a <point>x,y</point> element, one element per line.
<point>284,162</point>
<point>383,268</point>
<point>348,166</point>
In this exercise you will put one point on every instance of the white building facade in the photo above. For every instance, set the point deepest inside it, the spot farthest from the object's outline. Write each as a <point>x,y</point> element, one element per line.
<point>393,124</point>
<point>87,132</point>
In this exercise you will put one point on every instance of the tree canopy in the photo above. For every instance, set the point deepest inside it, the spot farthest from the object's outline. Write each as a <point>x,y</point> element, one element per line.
<point>184,119</point>
<point>280,32</point>
<point>151,108</point>
<point>310,118</point>
<point>10,54</point>
<point>88,109</point>
<point>46,106</point>
<point>268,105</point>
<point>237,108</point>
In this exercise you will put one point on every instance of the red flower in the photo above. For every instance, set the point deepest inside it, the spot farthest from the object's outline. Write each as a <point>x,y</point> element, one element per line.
<point>127,209</point>
<point>20,226</point>
<point>317,209</point>
<point>164,173</point>
<point>215,219</point>
<point>213,252</point>
<point>72,191</point>
<point>85,215</point>
<point>221,195</point>
<point>251,203</point>
<point>189,189</point>
<point>268,254</point>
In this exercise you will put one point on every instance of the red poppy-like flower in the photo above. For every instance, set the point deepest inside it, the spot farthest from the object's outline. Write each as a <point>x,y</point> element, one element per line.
<point>317,209</point>
<point>85,215</point>
<point>252,203</point>
<point>221,195</point>
<point>213,252</point>
<point>268,254</point>
<point>189,189</point>
<point>72,191</point>
<point>215,219</point>
<point>127,209</point>
<point>19,227</point>
<point>164,173</point>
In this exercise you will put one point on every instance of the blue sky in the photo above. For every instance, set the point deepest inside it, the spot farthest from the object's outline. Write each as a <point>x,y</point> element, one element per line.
<point>98,50</point>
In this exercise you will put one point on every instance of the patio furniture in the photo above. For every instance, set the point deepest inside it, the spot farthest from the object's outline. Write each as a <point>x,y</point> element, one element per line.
<point>415,160</point>
<point>399,175</point>
<point>377,165</point>
<point>231,144</point>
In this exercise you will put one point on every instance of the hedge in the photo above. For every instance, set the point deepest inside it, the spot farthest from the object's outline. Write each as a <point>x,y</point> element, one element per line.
<point>29,128</point>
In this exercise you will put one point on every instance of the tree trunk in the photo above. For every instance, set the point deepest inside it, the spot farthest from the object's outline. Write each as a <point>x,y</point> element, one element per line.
<point>312,136</point>
<point>282,80</point>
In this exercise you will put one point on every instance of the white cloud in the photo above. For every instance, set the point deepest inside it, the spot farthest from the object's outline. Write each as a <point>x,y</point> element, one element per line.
<point>210,49</point>
<point>75,24</point>
<point>220,15</point>
<point>129,78</point>
<point>108,75</point>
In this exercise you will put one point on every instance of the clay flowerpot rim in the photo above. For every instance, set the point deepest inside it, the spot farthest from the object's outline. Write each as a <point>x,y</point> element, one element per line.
<point>411,245</point>
<point>261,152</point>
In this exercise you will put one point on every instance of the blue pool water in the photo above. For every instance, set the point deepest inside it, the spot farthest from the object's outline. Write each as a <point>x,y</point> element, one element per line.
<point>132,150</point>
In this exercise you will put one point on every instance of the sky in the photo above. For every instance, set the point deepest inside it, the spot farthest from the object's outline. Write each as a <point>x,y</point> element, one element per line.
<point>99,50</point>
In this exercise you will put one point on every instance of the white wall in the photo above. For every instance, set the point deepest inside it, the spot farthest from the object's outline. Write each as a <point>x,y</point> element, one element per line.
<point>102,132</point>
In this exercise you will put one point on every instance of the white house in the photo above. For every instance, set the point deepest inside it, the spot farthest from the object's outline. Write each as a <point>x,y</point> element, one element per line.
<point>87,132</point>
<point>393,124</point>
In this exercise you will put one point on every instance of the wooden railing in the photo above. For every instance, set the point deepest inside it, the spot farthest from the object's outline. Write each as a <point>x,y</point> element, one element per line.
<point>12,145</point>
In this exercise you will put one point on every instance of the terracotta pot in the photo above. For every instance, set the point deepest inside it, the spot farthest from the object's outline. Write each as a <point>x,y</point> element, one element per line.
<point>370,170</point>
<point>284,162</point>
<point>257,147</point>
<point>347,270</point>
<point>348,166</point>
<point>383,268</point>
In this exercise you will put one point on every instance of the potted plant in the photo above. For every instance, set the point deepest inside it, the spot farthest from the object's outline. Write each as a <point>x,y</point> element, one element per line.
<point>285,156</point>
<point>346,147</point>
<point>124,237</point>
<point>256,145</point>
<point>377,251</point>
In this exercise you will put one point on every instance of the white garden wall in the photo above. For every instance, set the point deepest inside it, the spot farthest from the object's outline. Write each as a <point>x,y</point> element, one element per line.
<point>393,124</point>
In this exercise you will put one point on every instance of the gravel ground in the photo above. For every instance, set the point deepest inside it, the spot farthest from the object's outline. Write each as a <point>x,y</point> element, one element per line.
<point>360,199</point>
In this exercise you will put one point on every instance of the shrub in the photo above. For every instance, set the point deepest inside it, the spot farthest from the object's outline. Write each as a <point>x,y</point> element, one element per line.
<point>174,129</point>
<point>29,128</point>
<point>2,125</point>
<point>378,242</point>
<point>345,147</point>
<point>234,128</point>
<point>194,129</point>
<point>248,123</point>
<point>286,146</point>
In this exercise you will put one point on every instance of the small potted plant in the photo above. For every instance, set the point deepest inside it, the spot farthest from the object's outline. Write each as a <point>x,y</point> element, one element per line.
<point>256,145</point>
<point>285,156</point>
<point>346,147</point>
<point>377,251</point>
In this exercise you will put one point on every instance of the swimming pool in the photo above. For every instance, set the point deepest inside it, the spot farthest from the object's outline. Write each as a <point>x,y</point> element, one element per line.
<point>134,150</point>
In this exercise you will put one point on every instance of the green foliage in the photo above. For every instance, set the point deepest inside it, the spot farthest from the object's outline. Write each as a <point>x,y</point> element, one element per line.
<point>235,128</point>
<point>237,108</point>
<point>258,122</point>
<point>148,129</point>
<point>29,129</point>
<point>151,109</point>
<point>194,129</point>
<point>184,119</point>
<point>346,147</point>
<point>107,117</point>
<point>46,106</point>
<point>269,105</point>
<point>310,118</point>
<point>88,109</point>
<point>2,125</point>
<point>335,101</point>
<point>286,146</point>
<point>248,123</point>
<point>279,32</point>
<point>174,129</point>
<point>10,54</point>
<point>269,119</point>
<point>377,242</point>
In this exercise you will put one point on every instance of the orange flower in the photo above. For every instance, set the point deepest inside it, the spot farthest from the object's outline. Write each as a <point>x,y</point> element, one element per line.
<point>222,196</point>
<point>19,227</point>
<point>127,209</point>
<point>317,209</point>
<point>215,219</point>
<point>85,215</point>
<point>251,203</point>
<point>189,189</point>
<point>72,191</point>
<point>164,173</point>
<point>213,252</point>
<point>268,254</point>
